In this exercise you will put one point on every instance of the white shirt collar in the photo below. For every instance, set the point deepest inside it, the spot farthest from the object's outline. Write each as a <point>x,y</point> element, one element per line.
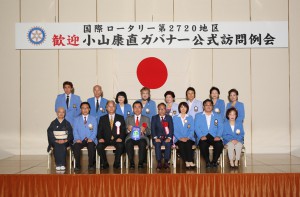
<point>99,99</point>
<point>87,116</point>
<point>137,116</point>
<point>208,115</point>
<point>192,101</point>
<point>68,95</point>
<point>113,116</point>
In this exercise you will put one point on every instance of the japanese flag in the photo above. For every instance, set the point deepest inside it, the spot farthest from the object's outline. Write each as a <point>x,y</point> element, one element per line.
<point>159,69</point>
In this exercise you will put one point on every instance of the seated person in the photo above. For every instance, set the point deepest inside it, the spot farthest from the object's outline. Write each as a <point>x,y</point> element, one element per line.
<point>85,131</point>
<point>233,136</point>
<point>162,133</point>
<point>111,132</point>
<point>60,145</point>
<point>209,129</point>
<point>143,122</point>
<point>184,134</point>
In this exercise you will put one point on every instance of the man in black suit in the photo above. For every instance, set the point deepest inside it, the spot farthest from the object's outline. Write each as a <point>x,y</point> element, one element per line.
<point>162,131</point>
<point>111,132</point>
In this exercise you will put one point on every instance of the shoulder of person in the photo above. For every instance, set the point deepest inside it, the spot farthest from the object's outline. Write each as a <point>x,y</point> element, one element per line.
<point>145,117</point>
<point>152,102</point>
<point>104,100</point>
<point>90,99</point>
<point>118,116</point>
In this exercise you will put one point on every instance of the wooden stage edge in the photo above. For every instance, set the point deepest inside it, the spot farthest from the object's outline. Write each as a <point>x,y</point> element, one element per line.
<point>241,184</point>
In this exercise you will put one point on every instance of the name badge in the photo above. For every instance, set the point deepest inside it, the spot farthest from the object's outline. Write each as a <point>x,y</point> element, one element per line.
<point>195,108</point>
<point>216,122</point>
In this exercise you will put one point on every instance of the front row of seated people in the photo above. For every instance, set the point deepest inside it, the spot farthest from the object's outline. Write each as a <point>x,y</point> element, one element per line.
<point>208,128</point>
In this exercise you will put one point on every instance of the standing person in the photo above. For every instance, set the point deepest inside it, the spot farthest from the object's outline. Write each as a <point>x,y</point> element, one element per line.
<point>60,145</point>
<point>111,132</point>
<point>97,103</point>
<point>195,106</point>
<point>184,134</point>
<point>149,106</point>
<point>233,136</point>
<point>143,123</point>
<point>171,106</point>
<point>219,104</point>
<point>70,102</point>
<point>85,131</point>
<point>233,102</point>
<point>162,132</point>
<point>209,128</point>
<point>123,108</point>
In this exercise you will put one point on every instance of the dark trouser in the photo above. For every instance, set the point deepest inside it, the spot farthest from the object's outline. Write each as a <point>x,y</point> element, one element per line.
<point>185,149</point>
<point>204,148</point>
<point>91,152</point>
<point>60,153</point>
<point>142,143</point>
<point>119,151</point>
<point>158,154</point>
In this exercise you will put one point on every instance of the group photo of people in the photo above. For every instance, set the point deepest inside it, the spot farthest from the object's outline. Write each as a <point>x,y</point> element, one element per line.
<point>98,123</point>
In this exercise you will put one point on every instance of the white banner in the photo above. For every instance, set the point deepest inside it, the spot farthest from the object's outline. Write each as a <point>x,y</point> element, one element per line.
<point>151,35</point>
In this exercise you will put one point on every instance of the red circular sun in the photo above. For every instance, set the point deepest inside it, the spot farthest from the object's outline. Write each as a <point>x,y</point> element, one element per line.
<point>152,72</point>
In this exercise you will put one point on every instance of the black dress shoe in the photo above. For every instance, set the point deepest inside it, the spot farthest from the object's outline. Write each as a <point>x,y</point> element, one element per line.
<point>141,166</point>
<point>208,165</point>
<point>92,168</point>
<point>116,166</point>
<point>77,168</point>
<point>104,166</point>
<point>159,166</point>
<point>132,166</point>
<point>215,164</point>
<point>166,165</point>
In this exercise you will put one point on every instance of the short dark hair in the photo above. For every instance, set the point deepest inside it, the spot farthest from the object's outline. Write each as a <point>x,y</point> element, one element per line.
<point>190,89</point>
<point>161,104</point>
<point>214,88</point>
<point>230,110</point>
<point>85,103</point>
<point>185,105</point>
<point>170,93</point>
<point>122,94</point>
<point>232,90</point>
<point>208,100</point>
<point>137,103</point>
<point>68,83</point>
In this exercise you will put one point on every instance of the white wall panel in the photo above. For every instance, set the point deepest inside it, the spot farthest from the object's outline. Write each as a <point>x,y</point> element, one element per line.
<point>9,80</point>
<point>294,24</point>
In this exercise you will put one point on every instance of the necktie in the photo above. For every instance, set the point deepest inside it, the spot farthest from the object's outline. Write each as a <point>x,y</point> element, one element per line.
<point>162,121</point>
<point>111,122</point>
<point>85,120</point>
<point>67,102</point>
<point>137,123</point>
<point>97,106</point>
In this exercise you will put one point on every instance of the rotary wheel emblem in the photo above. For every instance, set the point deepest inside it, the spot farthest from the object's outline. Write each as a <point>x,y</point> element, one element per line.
<point>36,35</point>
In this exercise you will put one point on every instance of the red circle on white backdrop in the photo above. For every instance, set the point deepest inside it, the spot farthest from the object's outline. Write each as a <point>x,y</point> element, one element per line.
<point>152,72</point>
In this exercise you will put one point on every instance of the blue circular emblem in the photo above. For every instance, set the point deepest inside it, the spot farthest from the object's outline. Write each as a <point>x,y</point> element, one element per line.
<point>36,35</point>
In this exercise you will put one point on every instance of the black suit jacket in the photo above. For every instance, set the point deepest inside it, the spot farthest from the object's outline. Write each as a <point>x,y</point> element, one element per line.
<point>105,132</point>
<point>157,128</point>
